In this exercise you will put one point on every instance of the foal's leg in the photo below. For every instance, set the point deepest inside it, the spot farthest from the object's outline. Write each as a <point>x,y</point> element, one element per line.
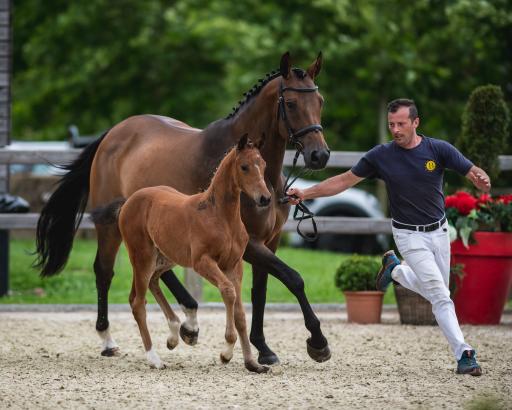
<point>241,326</point>
<point>143,264</point>
<point>208,269</point>
<point>172,319</point>
<point>189,330</point>
<point>258,254</point>
<point>109,240</point>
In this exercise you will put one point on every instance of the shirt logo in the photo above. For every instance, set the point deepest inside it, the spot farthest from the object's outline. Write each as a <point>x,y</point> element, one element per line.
<point>430,165</point>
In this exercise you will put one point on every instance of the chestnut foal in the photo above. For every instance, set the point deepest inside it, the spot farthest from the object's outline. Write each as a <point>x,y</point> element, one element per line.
<point>162,227</point>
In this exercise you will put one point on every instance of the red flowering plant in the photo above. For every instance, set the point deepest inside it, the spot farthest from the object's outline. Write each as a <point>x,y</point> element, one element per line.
<point>467,214</point>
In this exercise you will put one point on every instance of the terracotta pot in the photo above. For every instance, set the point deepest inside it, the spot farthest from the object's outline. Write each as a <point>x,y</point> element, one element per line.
<point>364,307</point>
<point>482,293</point>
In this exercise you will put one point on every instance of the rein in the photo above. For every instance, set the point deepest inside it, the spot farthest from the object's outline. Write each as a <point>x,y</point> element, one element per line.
<point>293,137</point>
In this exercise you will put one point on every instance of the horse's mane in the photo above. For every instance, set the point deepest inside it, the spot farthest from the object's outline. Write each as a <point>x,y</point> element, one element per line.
<point>262,82</point>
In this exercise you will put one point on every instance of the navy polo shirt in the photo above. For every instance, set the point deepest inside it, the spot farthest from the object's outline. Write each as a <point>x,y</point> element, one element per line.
<point>413,177</point>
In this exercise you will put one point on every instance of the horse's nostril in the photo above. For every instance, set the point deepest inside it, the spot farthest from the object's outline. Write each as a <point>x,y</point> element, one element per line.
<point>314,156</point>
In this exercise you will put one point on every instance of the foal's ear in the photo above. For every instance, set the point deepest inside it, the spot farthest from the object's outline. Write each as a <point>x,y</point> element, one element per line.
<point>315,68</point>
<point>261,142</point>
<point>285,65</point>
<point>242,142</point>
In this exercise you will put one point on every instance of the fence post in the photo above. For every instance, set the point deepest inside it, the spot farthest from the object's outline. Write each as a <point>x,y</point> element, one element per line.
<point>5,125</point>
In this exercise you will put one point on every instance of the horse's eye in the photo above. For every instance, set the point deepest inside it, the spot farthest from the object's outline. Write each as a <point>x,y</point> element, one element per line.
<point>245,168</point>
<point>291,104</point>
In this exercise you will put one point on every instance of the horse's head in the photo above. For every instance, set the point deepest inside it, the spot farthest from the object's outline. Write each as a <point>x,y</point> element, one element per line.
<point>250,171</point>
<point>299,111</point>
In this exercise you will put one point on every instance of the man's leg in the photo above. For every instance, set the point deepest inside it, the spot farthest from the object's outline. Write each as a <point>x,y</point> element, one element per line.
<point>422,275</point>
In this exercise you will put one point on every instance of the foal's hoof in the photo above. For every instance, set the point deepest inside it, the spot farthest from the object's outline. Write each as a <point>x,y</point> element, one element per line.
<point>189,336</point>
<point>268,358</point>
<point>111,352</point>
<point>256,368</point>
<point>158,366</point>
<point>172,343</point>
<point>224,359</point>
<point>320,355</point>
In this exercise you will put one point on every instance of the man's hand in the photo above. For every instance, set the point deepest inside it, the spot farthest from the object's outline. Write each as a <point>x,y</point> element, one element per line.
<point>295,195</point>
<point>479,178</point>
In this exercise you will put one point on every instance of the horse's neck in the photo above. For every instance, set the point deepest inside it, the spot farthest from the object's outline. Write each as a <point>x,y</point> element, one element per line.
<point>259,119</point>
<point>224,191</point>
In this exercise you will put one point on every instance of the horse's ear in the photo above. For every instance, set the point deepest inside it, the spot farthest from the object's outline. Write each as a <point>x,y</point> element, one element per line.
<point>261,142</point>
<point>285,65</point>
<point>242,142</point>
<point>315,68</point>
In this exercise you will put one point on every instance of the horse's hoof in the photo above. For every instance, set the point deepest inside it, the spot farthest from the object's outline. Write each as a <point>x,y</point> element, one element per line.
<point>189,336</point>
<point>256,368</point>
<point>320,355</point>
<point>111,352</point>
<point>268,358</point>
<point>172,343</point>
<point>160,366</point>
<point>224,359</point>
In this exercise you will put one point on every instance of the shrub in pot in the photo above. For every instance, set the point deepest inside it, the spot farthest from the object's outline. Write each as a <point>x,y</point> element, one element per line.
<point>355,277</point>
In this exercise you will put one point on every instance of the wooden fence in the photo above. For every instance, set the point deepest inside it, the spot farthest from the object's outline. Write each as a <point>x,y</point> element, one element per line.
<point>59,153</point>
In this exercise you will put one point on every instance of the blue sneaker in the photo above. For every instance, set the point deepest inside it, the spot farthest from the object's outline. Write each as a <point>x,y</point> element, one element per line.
<point>467,364</point>
<point>389,262</point>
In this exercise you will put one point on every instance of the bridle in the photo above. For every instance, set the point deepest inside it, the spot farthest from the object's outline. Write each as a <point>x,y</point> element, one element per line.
<point>294,138</point>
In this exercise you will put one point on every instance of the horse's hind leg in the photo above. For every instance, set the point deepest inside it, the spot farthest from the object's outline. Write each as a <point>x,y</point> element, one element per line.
<point>189,330</point>
<point>109,240</point>
<point>172,319</point>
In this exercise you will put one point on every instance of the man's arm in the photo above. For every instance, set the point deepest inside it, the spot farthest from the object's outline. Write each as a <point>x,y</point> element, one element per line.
<point>479,178</point>
<point>330,186</point>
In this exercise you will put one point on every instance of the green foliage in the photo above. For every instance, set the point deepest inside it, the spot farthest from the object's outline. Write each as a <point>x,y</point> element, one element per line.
<point>96,62</point>
<point>357,273</point>
<point>485,124</point>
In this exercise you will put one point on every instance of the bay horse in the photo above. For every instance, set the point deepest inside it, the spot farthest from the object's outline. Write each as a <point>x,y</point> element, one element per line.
<point>161,228</point>
<point>151,150</point>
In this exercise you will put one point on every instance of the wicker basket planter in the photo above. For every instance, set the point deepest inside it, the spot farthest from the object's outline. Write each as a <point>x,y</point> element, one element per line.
<point>413,308</point>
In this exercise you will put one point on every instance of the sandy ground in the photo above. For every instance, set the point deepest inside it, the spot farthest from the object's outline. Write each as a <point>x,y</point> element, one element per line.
<point>51,360</point>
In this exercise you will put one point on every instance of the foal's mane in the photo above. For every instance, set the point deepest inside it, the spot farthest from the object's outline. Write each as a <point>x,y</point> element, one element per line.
<point>262,82</point>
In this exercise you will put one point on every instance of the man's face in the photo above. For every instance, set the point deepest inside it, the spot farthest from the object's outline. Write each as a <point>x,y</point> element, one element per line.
<point>402,128</point>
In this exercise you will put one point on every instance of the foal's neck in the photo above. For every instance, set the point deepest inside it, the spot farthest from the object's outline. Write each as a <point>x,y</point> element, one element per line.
<point>224,191</point>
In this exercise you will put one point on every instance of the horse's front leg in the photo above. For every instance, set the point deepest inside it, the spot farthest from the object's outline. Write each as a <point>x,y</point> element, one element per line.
<point>259,255</point>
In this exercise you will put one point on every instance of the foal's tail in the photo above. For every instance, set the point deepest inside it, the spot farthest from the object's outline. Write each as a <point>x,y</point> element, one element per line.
<point>108,214</point>
<point>62,214</point>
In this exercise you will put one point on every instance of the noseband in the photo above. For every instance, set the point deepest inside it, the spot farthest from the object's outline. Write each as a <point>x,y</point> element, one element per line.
<point>294,138</point>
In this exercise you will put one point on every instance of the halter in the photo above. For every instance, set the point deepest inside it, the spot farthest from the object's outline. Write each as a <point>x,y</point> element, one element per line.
<point>293,137</point>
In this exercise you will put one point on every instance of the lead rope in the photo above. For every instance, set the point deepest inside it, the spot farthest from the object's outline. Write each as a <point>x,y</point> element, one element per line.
<point>306,213</point>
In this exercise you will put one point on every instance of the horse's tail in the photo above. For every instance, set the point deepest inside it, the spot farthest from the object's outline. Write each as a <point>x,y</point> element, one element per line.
<point>108,214</point>
<point>62,214</point>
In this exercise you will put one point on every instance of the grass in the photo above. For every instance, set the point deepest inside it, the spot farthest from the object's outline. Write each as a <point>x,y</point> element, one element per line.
<point>76,283</point>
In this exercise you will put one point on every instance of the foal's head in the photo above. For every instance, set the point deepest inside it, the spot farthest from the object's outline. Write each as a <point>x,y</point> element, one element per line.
<point>250,171</point>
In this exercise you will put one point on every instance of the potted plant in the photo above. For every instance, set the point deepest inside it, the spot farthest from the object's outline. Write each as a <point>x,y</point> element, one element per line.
<point>413,308</point>
<point>355,277</point>
<point>482,225</point>
<point>482,229</point>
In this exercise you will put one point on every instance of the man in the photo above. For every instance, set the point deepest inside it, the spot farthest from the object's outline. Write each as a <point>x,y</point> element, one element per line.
<point>412,166</point>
